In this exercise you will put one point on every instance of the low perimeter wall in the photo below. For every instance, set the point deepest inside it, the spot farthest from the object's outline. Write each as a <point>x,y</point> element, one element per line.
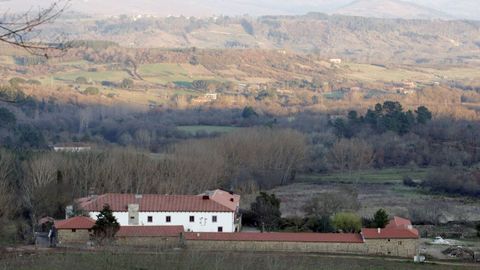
<point>383,247</point>
<point>352,248</point>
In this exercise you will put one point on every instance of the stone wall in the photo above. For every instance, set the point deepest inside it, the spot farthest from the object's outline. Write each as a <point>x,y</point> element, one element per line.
<point>392,247</point>
<point>352,248</point>
<point>73,236</point>
<point>151,242</point>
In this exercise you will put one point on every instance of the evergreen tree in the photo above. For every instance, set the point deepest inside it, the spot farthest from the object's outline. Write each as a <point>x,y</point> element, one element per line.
<point>106,225</point>
<point>380,218</point>
<point>423,115</point>
<point>266,210</point>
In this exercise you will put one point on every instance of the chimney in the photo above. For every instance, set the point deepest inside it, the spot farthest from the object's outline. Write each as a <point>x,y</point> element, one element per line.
<point>379,230</point>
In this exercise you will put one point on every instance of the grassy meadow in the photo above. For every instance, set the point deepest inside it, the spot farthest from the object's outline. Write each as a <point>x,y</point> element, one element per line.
<point>193,260</point>
<point>390,175</point>
<point>206,129</point>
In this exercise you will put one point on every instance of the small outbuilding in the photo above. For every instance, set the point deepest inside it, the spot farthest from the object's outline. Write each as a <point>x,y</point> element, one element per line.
<point>75,230</point>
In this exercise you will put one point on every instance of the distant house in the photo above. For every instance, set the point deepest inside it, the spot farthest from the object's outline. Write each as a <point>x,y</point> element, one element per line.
<point>71,147</point>
<point>209,97</point>
<point>335,60</point>
<point>212,211</point>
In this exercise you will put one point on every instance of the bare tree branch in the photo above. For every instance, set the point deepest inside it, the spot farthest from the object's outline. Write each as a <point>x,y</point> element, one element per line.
<point>15,29</point>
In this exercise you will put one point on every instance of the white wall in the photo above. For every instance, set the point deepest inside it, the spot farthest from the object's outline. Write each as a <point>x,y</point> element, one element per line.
<point>203,220</point>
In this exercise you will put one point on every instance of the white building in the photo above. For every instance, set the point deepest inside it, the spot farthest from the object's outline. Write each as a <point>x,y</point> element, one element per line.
<point>213,211</point>
<point>72,147</point>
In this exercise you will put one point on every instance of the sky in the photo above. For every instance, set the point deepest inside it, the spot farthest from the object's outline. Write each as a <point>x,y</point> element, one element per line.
<point>457,8</point>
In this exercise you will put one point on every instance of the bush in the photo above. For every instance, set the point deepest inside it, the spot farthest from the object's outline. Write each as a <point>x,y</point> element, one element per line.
<point>81,80</point>
<point>454,181</point>
<point>16,81</point>
<point>91,91</point>
<point>266,210</point>
<point>7,118</point>
<point>407,181</point>
<point>347,222</point>
<point>248,112</point>
<point>126,84</point>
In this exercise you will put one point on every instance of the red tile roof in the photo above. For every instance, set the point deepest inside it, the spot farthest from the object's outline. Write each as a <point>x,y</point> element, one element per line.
<point>225,198</point>
<point>149,231</point>
<point>153,203</point>
<point>393,233</point>
<point>399,222</point>
<point>277,237</point>
<point>75,223</point>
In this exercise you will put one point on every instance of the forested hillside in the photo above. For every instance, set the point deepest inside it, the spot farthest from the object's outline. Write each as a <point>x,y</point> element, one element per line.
<point>353,38</point>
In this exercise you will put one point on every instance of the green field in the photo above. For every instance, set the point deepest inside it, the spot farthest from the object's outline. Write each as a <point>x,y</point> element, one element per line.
<point>194,260</point>
<point>391,175</point>
<point>115,76</point>
<point>166,72</point>
<point>206,129</point>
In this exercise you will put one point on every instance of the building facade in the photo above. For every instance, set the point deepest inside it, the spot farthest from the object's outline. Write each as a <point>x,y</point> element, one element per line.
<point>212,211</point>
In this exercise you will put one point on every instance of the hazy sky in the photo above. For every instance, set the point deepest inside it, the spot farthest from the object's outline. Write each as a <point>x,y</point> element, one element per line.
<point>458,8</point>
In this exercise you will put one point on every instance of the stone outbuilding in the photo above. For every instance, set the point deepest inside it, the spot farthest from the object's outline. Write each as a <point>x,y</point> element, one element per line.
<point>75,230</point>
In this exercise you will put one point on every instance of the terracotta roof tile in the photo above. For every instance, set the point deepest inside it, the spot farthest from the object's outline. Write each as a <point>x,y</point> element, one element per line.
<point>280,237</point>
<point>394,233</point>
<point>149,231</point>
<point>225,198</point>
<point>399,222</point>
<point>153,203</point>
<point>75,223</point>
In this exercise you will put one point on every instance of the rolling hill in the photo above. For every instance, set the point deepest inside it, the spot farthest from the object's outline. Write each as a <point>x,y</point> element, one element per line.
<point>390,9</point>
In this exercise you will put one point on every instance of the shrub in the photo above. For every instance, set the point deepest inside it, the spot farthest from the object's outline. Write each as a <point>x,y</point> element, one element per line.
<point>266,209</point>
<point>248,112</point>
<point>407,181</point>
<point>126,84</point>
<point>91,91</point>
<point>34,82</point>
<point>81,80</point>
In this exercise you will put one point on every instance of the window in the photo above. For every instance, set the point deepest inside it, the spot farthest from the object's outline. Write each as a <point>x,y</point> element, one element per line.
<point>214,219</point>
<point>220,229</point>
<point>399,243</point>
<point>132,217</point>
<point>149,219</point>
<point>74,230</point>
<point>388,240</point>
<point>168,219</point>
<point>192,219</point>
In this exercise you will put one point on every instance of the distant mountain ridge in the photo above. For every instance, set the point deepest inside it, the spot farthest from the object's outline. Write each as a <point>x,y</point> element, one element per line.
<point>391,9</point>
<point>407,9</point>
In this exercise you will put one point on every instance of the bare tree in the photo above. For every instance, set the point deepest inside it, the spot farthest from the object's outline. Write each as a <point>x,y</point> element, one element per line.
<point>350,155</point>
<point>7,169</point>
<point>16,29</point>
